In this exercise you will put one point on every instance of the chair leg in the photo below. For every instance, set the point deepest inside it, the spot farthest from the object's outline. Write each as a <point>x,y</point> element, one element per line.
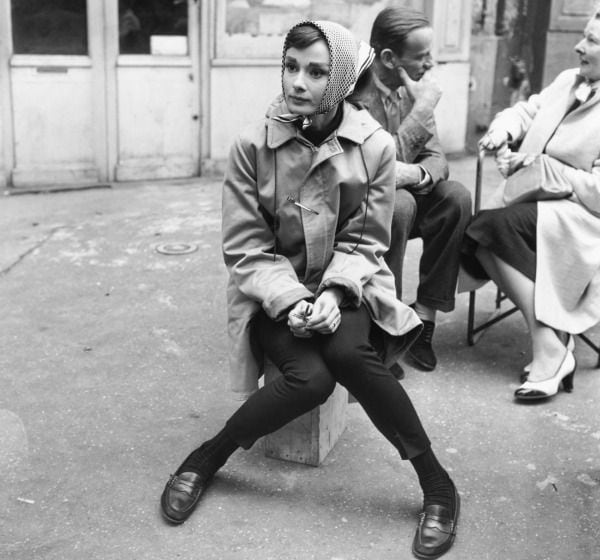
<point>499,297</point>
<point>471,319</point>
<point>496,316</point>
<point>593,346</point>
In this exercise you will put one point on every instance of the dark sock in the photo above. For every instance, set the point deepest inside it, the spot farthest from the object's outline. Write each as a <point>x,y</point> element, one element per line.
<point>210,456</point>
<point>434,480</point>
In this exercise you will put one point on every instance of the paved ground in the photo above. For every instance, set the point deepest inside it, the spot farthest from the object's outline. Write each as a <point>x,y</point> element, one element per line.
<point>113,366</point>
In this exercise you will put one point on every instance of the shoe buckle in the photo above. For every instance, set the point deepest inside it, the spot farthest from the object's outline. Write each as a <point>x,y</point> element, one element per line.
<point>422,517</point>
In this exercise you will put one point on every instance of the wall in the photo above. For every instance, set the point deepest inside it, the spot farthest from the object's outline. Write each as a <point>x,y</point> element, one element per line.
<point>501,31</point>
<point>5,104</point>
<point>238,95</point>
<point>452,109</point>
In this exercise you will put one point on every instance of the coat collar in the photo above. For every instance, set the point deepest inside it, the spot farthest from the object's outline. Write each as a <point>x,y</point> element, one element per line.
<point>356,125</point>
<point>589,89</point>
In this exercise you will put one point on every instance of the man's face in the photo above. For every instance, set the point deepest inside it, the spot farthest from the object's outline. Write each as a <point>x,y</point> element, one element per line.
<point>416,58</point>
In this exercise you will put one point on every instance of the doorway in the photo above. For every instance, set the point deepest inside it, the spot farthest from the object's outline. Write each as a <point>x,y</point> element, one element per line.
<point>103,91</point>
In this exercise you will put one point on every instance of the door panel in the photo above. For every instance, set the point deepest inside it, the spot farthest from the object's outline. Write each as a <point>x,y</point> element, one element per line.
<point>53,121</point>
<point>156,129</point>
<point>58,101</point>
<point>157,90</point>
<point>98,97</point>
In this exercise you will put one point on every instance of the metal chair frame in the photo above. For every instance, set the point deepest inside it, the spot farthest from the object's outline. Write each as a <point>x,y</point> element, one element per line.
<point>497,315</point>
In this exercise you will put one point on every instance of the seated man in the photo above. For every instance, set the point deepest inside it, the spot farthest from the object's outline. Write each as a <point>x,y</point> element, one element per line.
<point>401,95</point>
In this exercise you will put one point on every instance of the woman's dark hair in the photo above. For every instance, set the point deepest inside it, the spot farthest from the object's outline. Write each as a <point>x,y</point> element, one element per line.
<point>302,37</point>
<point>392,25</point>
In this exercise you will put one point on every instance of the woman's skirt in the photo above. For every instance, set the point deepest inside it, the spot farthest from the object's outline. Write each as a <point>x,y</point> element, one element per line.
<point>509,233</point>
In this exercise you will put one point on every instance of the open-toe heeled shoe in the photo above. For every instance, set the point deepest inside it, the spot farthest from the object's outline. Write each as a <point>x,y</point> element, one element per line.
<point>534,390</point>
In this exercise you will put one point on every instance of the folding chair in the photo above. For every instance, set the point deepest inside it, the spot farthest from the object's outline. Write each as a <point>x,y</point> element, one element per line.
<point>498,314</point>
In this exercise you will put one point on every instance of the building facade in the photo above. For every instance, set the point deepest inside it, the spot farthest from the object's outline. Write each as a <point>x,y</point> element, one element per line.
<point>98,92</point>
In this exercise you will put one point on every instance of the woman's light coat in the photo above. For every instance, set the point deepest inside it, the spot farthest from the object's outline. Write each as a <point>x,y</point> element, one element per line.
<point>278,253</point>
<point>567,288</point>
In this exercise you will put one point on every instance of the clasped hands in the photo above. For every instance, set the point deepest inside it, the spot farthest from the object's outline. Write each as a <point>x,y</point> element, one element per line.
<point>507,161</point>
<point>323,316</point>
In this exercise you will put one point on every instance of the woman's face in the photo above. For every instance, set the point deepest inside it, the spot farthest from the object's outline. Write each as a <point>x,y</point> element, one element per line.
<point>305,74</point>
<point>588,50</point>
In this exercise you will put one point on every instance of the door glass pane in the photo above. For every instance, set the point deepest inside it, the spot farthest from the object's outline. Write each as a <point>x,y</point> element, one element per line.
<point>49,26</point>
<point>158,27</point>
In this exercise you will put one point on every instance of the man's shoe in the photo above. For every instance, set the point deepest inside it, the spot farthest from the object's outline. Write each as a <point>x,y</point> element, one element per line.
<point>181,495</point>
<point>421,351</point>
<point>436,530</point>
<point>397,371</point>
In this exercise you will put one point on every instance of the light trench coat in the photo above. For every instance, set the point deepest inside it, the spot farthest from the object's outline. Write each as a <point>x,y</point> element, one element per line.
<point>278,253</point>
<point>567,288</point>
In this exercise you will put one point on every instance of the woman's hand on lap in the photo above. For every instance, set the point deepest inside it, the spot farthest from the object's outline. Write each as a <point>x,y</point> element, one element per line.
<point>326,314</point>
<point>298,317</point>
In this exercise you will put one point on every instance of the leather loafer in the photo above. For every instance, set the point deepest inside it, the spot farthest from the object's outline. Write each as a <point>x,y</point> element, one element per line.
<point>436,530</point>
<point>181,495</point>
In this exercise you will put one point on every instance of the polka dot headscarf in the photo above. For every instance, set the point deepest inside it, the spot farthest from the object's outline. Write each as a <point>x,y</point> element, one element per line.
<point>349,58</point>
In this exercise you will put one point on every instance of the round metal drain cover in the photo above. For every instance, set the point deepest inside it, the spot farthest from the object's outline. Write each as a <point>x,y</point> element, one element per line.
<point>176,248</point>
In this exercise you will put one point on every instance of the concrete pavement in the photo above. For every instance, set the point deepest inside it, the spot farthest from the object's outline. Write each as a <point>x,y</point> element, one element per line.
<point>113,367</point>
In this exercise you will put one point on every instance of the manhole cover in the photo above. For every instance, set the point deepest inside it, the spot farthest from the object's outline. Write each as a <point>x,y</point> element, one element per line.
<point>176,248</point>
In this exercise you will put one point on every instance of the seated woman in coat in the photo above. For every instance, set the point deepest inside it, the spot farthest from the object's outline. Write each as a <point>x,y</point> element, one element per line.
<point>545,255</point>
<point>307,207</point>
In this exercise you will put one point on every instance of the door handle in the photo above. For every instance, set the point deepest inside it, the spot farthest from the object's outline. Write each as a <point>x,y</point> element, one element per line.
<point>52,69</point>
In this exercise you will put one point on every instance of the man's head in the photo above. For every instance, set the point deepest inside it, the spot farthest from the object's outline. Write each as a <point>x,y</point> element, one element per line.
<point>588,50</point>
<point>402,37</point>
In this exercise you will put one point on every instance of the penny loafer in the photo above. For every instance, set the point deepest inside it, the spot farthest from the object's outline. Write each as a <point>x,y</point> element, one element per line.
<point>436,530</point>
<point>181,495</point>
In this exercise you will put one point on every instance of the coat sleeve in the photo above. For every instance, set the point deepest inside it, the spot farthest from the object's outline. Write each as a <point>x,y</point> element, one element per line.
<point>418,142</point>
<point>249,241</point>
<point>416,139</point>
<point>517,119</point>
<point>363,239</point>
<point>585,184</point>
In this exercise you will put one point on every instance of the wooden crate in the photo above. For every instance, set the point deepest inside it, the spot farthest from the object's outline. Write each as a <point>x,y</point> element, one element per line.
<point>309,438</point>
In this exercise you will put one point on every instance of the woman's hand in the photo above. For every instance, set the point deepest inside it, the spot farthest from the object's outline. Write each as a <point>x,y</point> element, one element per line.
<point>508,162</point>
<point>326,315</point>
<point>298,317</point>
<point>493,140</point>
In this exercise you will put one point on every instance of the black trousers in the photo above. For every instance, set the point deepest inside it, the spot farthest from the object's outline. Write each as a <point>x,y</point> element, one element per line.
<point>311,367</point>
<point>439,218</point>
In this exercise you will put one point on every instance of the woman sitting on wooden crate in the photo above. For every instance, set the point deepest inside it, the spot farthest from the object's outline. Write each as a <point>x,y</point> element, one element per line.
<point>307,207</point>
